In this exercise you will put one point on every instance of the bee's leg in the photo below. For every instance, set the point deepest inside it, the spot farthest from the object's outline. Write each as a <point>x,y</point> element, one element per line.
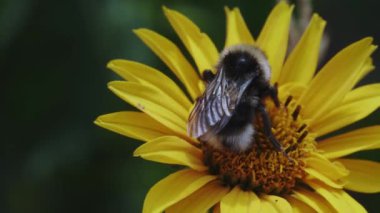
<point>273,92</point>
<point>207,76</point>
<point>267,126</point>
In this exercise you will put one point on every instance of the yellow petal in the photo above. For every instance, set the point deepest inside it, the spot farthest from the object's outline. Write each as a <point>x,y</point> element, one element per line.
<point>314,174</point>
<point>200,46</point>
<point>335,79</point>
<point>136,125</point>
<point>354,205</point>
<point>364,175</point>
<point>348,143</point>
<point>320,163</point>
<point>267,207</point>
<point>314,200</point>
<point>153,102</point>
<point>299,206</point>
<point>201,200</point>
<point>345,115</point>
<point>361,93</point>
<point>237,30</point>
<point>169,53</point>
<point>357,105</point>
<point>172,150</point>
<point>279,203</point>
<point>290,89</point>
<point>273,38</point>
<point>174,188</point>
<point>366,68</point>
<point>240,201</point>
<point>145,75</point>
<point>302,62</point>
<point>338,198</point>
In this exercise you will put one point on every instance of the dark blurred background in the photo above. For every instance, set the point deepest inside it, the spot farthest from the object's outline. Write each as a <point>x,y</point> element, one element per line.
<point>53,85</point>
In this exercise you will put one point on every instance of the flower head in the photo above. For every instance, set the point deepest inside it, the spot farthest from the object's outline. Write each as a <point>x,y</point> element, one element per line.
<point>314,173</point>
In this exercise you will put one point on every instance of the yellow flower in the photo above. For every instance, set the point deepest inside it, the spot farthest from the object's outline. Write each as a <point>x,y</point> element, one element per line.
<point>261,180</point>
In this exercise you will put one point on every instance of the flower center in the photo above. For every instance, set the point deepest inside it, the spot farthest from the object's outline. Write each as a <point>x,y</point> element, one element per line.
<point>262,168</point>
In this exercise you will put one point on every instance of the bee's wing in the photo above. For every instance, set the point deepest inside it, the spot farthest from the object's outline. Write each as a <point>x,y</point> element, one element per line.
<point>215,107</point>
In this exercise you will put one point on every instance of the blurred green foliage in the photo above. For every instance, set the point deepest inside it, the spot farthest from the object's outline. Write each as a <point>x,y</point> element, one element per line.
<point>52,59</point>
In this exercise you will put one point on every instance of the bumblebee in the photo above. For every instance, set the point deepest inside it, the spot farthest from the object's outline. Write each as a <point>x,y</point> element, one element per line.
<point>223,116</point>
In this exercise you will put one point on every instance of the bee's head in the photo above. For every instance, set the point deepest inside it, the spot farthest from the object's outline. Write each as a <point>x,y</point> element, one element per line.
<point>240,66</point>
<point>243,62</point>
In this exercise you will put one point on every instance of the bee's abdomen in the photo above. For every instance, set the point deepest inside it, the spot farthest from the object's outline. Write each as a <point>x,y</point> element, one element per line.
<point>239,140</point>
<point>238,133</point>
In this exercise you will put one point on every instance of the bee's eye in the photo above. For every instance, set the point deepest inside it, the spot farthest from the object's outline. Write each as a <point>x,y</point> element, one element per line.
<point>240,65</point>
<point>243,62</point>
